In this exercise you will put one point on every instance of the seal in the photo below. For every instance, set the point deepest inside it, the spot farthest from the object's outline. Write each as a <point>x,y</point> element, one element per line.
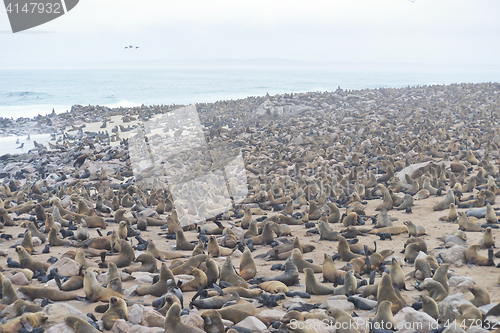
<point>470,315</point>
<point>430,307</point>
<point>228,274</point>
<point>237,312</point>
<point>212,321</point>
<point>169,255</point>
<point>160,287</point>
<point>266,237</point>
<point>182,243</point>
<point>386,292</point>
<point>344,251</point>
<point>326,232</point>
<point>28,319</point>
<point>424,267</point>
<point>384,317</point>
<point>50,293</point>
<point>472,256</point>
<point>80,258</point>
<point>394,230</point>
<point>329,270</point>
<point>411,252</point>
<point>124,258</point>
<point>199,281</point>
<point>113,278</point>
<point>9,295</point>
<point>445,203</point>
<point>441,276</point>
<point>414,230</point>
<point>54,240</point>
<point>21,306</point>
<point>27,242</point>
<point>346,322</point>
<point>186,267</point>
<point>248,269</point>
<point>274,287</point>
<point>25,260</point>
<point>397,275</point>
<point>94,291</point>
<point>481,296</point>
<point>487,241</point>
<point>148,264</point>
<point>435,289</point>
<point>215,302</point>
<point>302,264</point>
<point>117,310</point>
<point>246,219</point>
<point>174,324</point>
<point>350,285</point>
<point>215,250</point>
<point>169,300</point>
<point>313,287</point>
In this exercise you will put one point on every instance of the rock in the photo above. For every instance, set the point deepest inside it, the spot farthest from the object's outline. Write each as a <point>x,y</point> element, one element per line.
<point>272,315</point>
<point>319,326</point>
<point>227,322</point>
<point>101,278</point>
<point>461,282</point>
<point>156,330</point>
<point>294,301</point>
<point>419,275</point>
<point>19,279</point>
<point>338,301</point>
<point>454,239</point>
<point>58,311</point>
<point>60,328</point>
<point>485,308</point>
<point>421,255</point>
<point>477,329</point>
<point>125,277</point>
<point>152,318</point>
<point>9,312</point>
<point>448,307</point>
<point>36,241</point>
<point>410,319</point>
<point>298,140</point>
<point>453,255</point>
<point>253,324</point>
<point>66,267</point>
<point>121,326</point>
<point>238,232</point>
<point>453,328</point>
<point>131,289</point>
<point>140,329</point>
<point>194,319</point>
<point>135,313</point>
<point>143,278</point>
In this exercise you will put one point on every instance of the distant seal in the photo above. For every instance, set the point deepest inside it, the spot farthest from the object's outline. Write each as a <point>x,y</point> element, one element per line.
<point>301,264</point>
<point>27,261</point>
<point>326,232</point>
<point>248,269</point>
<point>445,203</point>
<point>329,270</point>
<point>274,287</point>
<point>94,291</point>
<point>161,286</point>
<point>148,264</point>
<point>228,274</point>
<point>344,250</point>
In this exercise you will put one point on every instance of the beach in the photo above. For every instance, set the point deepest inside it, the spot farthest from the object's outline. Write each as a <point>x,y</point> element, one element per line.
<point>214,160</point>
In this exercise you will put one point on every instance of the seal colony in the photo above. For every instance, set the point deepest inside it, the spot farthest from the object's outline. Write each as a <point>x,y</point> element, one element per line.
<point>355,205</point>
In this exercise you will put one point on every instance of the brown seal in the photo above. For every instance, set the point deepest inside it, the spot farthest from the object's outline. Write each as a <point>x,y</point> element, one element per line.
<point>79,325</point>
<point>9,295</point>
<point>94,291</point>
<point>344,250</point>
<point>215,302</point>
<point>174,324</point>
<point>344,320</point>
<point>326,232</point>
<point>25,260</point>
<point>148,264</point>
<point>424,267</point>
<point>117,310</point>
<point>386,291</point>
<point>397,275</point>
<point>313,287</point>
<point>329,270</point>
<point>152,250</point>
<point>435,289</point>
<point>237,312</point>
<point>472,256</point>
<point>160,287</point>
<point>124,258</point>
<point>113,278</point>
<point>414,230</point>
<point>471,315</point>
<point>430,307</point>
<point>21,306</point>
<point>384,317</point>
<point>266,237</point>
<point>169,300</point>
<point>487,241</point>
<point>212,321</point>
<point>445,203</point>
<point>441,276</point>
<point>50,293</point>
<point>33,319</point>
<point>228,274</point>
<point>302,264</point>
<point>248,269</point>
<point>186,267</point>
<point>481,296</point>
<point>215,250</point>
<point>199,281</point>
<point>350,285</point>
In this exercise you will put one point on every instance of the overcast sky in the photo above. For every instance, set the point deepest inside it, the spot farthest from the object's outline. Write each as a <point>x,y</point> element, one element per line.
<point>457,32</point>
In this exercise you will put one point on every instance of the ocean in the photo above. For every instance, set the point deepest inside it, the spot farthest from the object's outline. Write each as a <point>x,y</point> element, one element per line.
<point>29,92</point>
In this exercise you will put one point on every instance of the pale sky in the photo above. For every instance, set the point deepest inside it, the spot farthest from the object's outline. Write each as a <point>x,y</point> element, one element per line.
<point>457,32</point>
